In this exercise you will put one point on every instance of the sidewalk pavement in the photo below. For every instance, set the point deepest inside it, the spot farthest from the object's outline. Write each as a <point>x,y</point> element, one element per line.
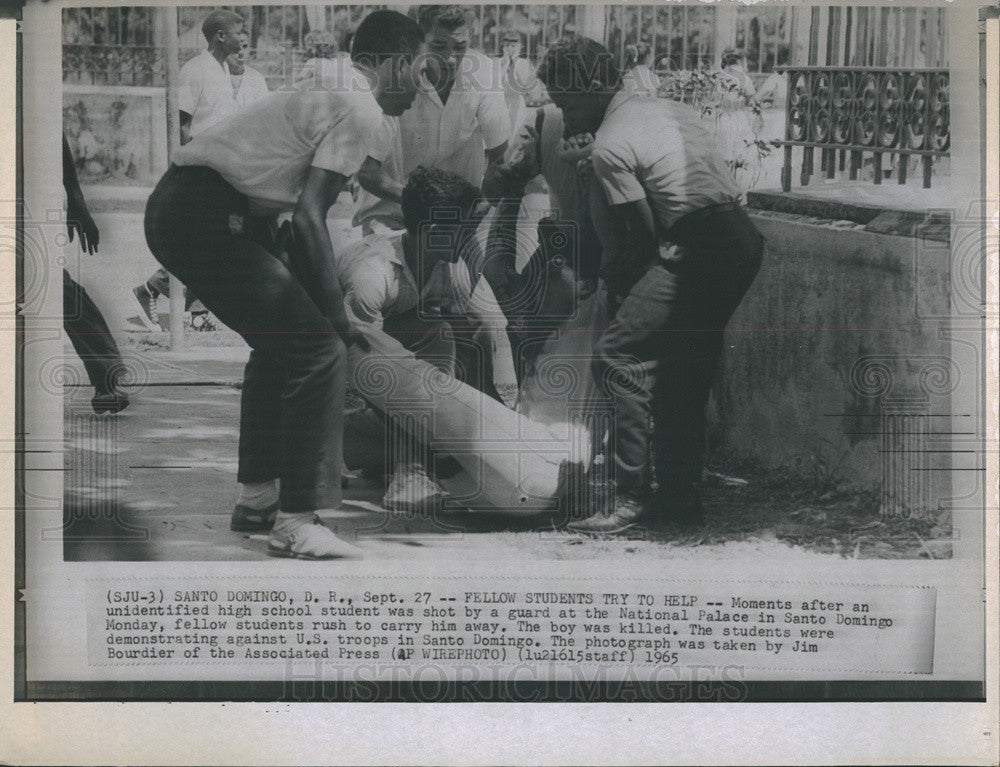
<point>160,477</point>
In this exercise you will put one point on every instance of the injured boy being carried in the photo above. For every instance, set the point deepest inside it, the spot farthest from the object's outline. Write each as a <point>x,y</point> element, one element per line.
<point>429,305</point>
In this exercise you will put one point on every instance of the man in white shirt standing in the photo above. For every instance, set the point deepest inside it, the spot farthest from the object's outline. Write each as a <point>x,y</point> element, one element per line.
<point>459,121</point>
<point>249,85</point>
<point>205,92</point>
<point>209,221</point>
<point>518,79</point>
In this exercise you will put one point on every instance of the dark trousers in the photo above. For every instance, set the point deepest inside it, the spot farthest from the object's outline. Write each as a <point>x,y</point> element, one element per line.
<point>658,357</point>
<point>159,284</point>
<point>291,418</point>
<point>90,336</point>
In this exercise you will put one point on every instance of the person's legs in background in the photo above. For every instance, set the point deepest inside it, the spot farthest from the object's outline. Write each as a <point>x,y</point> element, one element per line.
<point>96,347</point>
<point>159,285</point>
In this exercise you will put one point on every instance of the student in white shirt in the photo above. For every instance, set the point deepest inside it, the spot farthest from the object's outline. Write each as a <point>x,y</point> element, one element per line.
<point>205,91</point>
<point>249,85</point>
<point>518,79</point>
<point>459,120</point>
<point>209,221</point>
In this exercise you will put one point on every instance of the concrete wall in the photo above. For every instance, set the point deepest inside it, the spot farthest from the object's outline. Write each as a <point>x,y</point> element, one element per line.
<point>834,364</point>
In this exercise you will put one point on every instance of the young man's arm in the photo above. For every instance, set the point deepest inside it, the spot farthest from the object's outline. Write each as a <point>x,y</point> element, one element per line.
<point>373,176</point>
<point>494,161</point>
<point>635,228</point>
<point>185,127</point>
<point>631,217</point>
<point>494,123</point>
<point>374,179</point>
<point>313,260</point>
<point>500,257</point>
<point>189,91</point>
<point>78,218</point>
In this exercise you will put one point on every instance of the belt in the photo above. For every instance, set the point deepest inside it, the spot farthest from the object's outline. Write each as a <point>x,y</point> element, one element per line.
<point>713,224</point>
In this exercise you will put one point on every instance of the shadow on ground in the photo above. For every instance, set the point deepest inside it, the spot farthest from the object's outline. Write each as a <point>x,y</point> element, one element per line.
<point>157,482</point>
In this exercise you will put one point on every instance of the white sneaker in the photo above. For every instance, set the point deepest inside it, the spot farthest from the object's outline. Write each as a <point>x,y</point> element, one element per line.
<point>410,489</point>
<point>308,539</point>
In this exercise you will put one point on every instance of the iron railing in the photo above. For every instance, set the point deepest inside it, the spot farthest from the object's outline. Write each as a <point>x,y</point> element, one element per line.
<point>853,114</point>
<point>117,46</point>
<point>143,65</point>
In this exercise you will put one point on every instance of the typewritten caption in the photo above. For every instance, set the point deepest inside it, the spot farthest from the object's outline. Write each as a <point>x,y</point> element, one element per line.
<point>779,626</point>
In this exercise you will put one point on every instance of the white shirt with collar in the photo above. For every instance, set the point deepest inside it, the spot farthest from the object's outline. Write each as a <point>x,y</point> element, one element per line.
<point>253,87</point>
<point>453,136</point>
<point>265,151</point>
<point>378,283</point>
<point>206,92</point>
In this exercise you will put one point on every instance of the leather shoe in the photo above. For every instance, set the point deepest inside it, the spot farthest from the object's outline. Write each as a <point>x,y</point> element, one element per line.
<point>247,520</point>
<point>624,514</point>
<point>109,402</point>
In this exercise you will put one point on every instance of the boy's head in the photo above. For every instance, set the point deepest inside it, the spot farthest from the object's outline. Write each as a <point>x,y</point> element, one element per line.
<point>510,43</point>
<point>636,54</point>
<point>448,29</point>
<point>320,44</point>
<point>580,76</point>
<point>222,31</point>
<point>387,43</point>
<point>442,210</point>
<point>238,61</point>
<point>733,56</point>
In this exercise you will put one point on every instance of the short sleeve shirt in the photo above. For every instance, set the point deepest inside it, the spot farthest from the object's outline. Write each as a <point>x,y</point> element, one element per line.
<point>454,135</point>
<point>377,282</point>
<point>386,148</point>
<point>206,92</point>
<point>659,150</point>
<point>518,81</point>
<point>252,89</point>
<point>266,151</point>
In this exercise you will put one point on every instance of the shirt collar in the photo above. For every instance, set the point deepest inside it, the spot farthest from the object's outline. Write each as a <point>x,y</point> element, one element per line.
<point>215,61</point>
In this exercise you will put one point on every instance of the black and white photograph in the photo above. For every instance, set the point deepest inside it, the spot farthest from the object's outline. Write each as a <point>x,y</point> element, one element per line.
<point>487,277</point>
<point>505,353</point>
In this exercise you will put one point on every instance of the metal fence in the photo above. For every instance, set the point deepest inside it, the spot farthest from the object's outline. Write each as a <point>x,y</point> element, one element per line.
<point>765,34</point>
<point>852,114</point>
<point>119,46</point>
<point>680,37</point>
